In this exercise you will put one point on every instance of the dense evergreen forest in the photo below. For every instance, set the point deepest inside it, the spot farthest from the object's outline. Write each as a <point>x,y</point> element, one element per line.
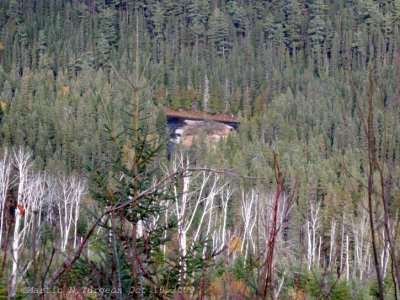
<point>301,201</point>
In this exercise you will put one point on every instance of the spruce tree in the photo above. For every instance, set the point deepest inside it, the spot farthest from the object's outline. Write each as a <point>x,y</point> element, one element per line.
<point>133,195</point>
<point>219,31</point>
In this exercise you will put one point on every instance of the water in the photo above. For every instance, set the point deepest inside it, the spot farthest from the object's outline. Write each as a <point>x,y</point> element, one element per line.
<point>173,125</point>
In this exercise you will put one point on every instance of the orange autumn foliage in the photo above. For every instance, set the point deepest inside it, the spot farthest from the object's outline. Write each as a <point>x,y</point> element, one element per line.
<point>235,244</point>
<point>21,210</point>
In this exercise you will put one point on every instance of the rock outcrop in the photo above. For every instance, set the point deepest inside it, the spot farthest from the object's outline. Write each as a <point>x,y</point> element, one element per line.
<point>213,132</point>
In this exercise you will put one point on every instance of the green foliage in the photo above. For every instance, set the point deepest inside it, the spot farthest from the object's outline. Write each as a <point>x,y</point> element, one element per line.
<point>310,285</point>
<point>215,103</point>
<point>82,226</point>
<point>341,291</point>
<point>176,102</point>
<point>125,183</point>
<point>388,288</point>
<point>161,122</point>
<point>108,25</point>
<point>219,31</point>
<point>317,28</point>
<point>14,11</point>
<point>238,14</point>
<point>158,20</point>
<point>239,270</point>
<point>3,291</point>
<point>198,13</point>
<point>283,68</point>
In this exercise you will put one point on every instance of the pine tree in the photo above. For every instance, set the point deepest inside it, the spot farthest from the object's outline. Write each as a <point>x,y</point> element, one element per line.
<point>215,103</point>
<point>161,122</point>
<point>109,26</point>
<point>246,103</point>
<point>317,31</point>
<point>294,24</point>
<point>176,102</point>
<point>219,32</point>
<point>158,19</point>
<point>317,26</point>
<point>14,11</point>
<point>198,14</point>
<point>133,194</point>
<point>238,15</point>
<point>103,50</point>
<point>261,101</point>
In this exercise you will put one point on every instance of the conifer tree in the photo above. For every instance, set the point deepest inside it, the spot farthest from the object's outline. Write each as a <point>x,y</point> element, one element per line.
<point>133,195</point>
<point>219,31</point>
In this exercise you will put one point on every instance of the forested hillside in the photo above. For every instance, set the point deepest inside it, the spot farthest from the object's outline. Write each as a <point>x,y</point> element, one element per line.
<point>300,202</point>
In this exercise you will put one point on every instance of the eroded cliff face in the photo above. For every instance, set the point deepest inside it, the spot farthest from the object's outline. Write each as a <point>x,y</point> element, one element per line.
<point>213,132</point>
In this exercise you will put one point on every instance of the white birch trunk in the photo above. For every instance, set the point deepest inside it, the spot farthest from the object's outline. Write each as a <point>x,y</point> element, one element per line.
<point>23,165</point>
<point>312,227</point>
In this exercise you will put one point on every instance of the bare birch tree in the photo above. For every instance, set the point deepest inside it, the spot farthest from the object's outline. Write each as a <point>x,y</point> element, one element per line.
<point>312,226</point>
<point>72,190</point>
<point>23,164</point>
